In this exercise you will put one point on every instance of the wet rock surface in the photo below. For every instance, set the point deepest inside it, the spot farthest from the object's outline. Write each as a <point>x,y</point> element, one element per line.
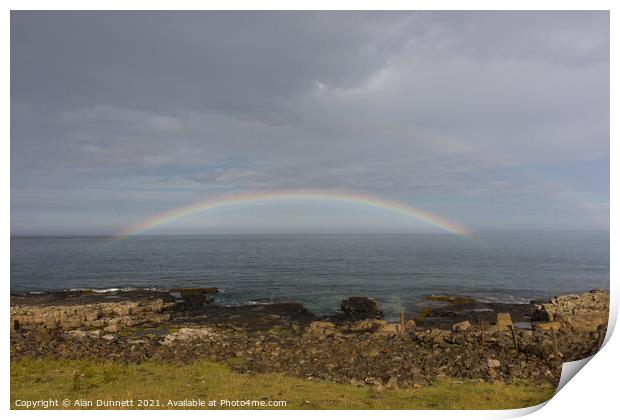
<point>359,307</point>
<point>285,337</point>
<point>446,314</point>
<point>86,296</point>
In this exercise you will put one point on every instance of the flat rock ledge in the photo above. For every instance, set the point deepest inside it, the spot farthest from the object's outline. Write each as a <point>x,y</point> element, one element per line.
<point>108,316</point>
<point>286,338</point>
<point>581,312</point>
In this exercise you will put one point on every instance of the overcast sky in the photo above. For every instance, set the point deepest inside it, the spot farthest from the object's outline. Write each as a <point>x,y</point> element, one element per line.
<point>493,120</point>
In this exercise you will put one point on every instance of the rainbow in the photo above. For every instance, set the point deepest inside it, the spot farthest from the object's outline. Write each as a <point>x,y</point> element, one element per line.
<point>322,195</point>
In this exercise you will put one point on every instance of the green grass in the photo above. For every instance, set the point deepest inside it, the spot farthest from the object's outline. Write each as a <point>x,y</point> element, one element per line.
<point>38,379</point>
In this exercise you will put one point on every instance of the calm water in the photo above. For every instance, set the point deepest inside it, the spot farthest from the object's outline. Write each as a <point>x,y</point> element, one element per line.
<point>320,270</point>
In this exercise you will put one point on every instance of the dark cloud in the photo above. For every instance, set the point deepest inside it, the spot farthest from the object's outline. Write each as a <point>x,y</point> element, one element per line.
<point>246,63</point>
<point>116,115</point>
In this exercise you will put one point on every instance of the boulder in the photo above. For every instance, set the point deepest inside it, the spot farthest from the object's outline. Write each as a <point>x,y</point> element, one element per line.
<point>461,326</point>
<point>321,329</point>
<point>588,323</point>
<point>492,329</point>
<point>78,334</point>
<point>389,329</point>
<point>357,382</point>
<point>410,325</point>
<point>358,307</point>
<point>98,323</point>
<point>186,335</point>
<point>392,383</point>
<point>493,363</point>
<point>419,380</point>
<point>439,341</point>
<point>367,325</point>
<point>112,328</point>
<point>546,325</point>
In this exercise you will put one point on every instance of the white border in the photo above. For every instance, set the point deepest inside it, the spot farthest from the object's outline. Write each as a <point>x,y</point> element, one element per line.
<point>591,395</point>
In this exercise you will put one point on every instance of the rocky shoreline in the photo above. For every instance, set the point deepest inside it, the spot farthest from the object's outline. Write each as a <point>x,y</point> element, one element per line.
<point>455,336</point>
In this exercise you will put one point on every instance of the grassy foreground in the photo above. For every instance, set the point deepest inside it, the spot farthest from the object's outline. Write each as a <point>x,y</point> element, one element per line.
<point>44,379</point>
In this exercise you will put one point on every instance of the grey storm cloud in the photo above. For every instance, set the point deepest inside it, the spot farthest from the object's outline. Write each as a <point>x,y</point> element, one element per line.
<point>488,118</point>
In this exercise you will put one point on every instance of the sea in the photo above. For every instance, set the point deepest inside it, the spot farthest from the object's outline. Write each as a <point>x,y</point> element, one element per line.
<point>319,270</point>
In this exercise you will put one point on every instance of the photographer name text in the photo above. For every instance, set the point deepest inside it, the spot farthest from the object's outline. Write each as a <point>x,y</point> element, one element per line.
<point>146,403</point>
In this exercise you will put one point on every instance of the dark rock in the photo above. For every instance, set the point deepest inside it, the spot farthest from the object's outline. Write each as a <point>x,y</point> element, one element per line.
<point>361,308</point>
<point>192,297</point>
